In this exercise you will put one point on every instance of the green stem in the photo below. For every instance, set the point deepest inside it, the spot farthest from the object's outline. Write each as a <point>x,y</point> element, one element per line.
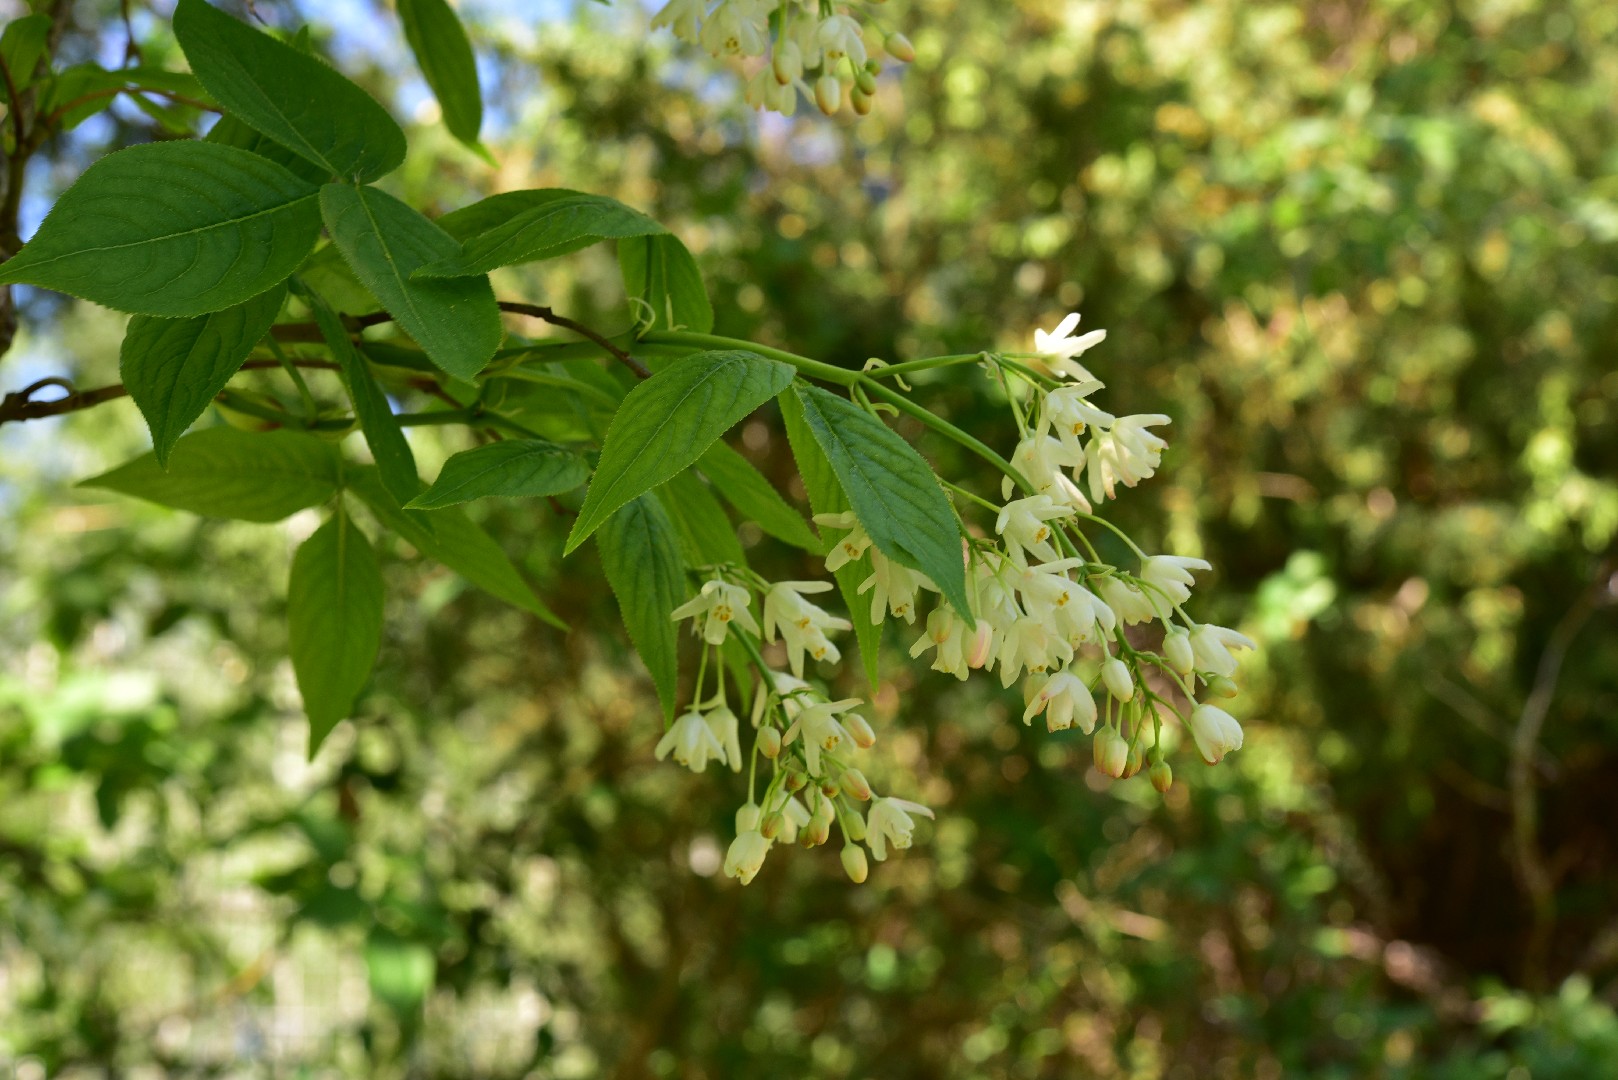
<point>928,364</point>
<point>310,409</point>
<point>812,368</point>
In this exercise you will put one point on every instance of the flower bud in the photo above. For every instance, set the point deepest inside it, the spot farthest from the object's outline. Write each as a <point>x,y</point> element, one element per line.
<point>874,66</point>
<point>1111,752</point>
<point>830,788</point>
<point>855,786</point>
<point>899,48</point>
<point>1221,686</point>
<point>860,729</point>
<point>1177,651</point>
<point>769,742</point>
<point>828,94</point>
<point>861,101</point>
<point>977,650</point>
<point>854,864</point>
<point>771,827</point>
<point>794,781</point>
<point>854,827</point>
<point>788,62</point>
<point>865,81</point>
<point>1115,674</point>
<point>814,834</point>
<point>1136,758</point>
<point>747,818</point>
<point>1162,776</point>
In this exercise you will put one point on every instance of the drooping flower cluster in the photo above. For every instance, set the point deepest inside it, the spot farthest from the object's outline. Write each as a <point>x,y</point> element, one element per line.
<point>812,49</point>
<point>1045,610</point>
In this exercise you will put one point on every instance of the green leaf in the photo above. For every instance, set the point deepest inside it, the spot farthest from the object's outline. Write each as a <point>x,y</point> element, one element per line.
<point>445,57</point>
<point>892,489</point>
<point>705,530</point>
<point>745,488</point>
<point>485,214</point>
<point>394,461</point>
<point>666,422</point>
<point>172,229</point>
<point>174,367</point>
<point>456,322</point>
<point>640,554</point>
<point>229,473</point>
<point>554,227</point>
<point>334,622</point>
<point>449,537</point>
<point>325,272</point>
<point>659,271</point>
<point>288,95</point>
<point>401,972</point>
<point>826,497</point>
<point>21,45</point>
<point>513,468</point>
<point>230,131</point>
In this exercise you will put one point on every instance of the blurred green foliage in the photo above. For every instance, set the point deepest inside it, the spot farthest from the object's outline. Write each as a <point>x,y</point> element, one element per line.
<point>1363,253</point>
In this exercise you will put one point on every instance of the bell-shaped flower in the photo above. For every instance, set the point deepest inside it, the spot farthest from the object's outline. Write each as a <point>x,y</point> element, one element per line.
<point>1215,732</point>
<point>1068,410</point>
<point>1211,645</point>
<point>947,633</point>
<point>746,856</point>
<point>821,730</point>
<point>1064,699</point>
<point>717,606</point>
<point>1127,453</point>
<point>893,588</point>
<point>1040,459</point>
<point>1060,348</point>
<point>1171,575</point>
<point>1029,643</point>
<point>1127,600</point>
<point>725,728</point>
<point>691,742</point>
<point>736,28</point>
<point>1024,524</point>
<point>683,16</point>
<point>850,548</point>
<point>839,37</point>
<point>889,822</point>
<point>802,625</point>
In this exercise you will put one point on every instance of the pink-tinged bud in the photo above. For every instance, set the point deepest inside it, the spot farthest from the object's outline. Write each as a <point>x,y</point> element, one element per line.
<point>830,788</point>
<point>828,94</point>
<point>1133,763</point>
<point>899,48</point>
<point>769,742</point>
<point>860,729</point>
<point>1177,651</point>
<point>977,650</point>
<point>1162,776</point>
<point>861,101</point>
<point>1111,752</point>
<point>1115,674</point>
<point>814,834</point>
<point>854,864</point>
<point>1221,686</point>
<point>772,826</point>
<point>855,785</point>
<point>794,781</point>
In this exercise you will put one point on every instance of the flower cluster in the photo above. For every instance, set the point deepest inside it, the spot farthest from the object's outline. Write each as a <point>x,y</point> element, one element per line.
<point>1046,610</point>
<point>805,48</point>
<point>807,737</point>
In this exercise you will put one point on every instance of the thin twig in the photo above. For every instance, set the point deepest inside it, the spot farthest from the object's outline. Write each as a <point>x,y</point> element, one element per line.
<point>539,311</point>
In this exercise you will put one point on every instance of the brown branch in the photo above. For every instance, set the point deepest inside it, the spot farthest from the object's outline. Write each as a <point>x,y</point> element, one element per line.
<point>1533,873</point>
<point>539,311</point>
<point>21,405</point>
<point>62,110</point>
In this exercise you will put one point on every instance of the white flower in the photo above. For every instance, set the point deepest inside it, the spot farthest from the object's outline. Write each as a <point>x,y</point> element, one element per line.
<point>794,816</point>
<point>1062,604</point>
<point>1024,523</point>
<point>839,36</point>
<point>1060,347</point>
<point>1063,698</point>
<point>1040,459</point>
<point>724,727</point>
<point>889,821</point>
<point>683,16</point>
<point>892,588</point>
<point>1216,732</point>
<point>787,63</point>
<point>1128,601</point>
<point>692,743</point>
<point>1070,414</point>
<point>821,729</point>
<point>764,91</point>
<point>850,548</point>
<point>1211,646</point>
<point>1030,643</point>
<point>736,28</point>
<point>715,608</point>
<point>801,624</point>
<point>1127,453</point>
<point>1171,574</point>
<point>746,856</point>
<point>947,632</point>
